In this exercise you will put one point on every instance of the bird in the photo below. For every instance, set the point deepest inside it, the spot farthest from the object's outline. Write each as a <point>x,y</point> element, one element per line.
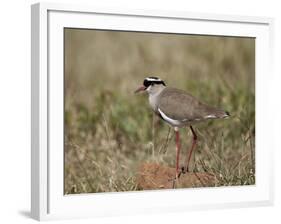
<point>179,109</point>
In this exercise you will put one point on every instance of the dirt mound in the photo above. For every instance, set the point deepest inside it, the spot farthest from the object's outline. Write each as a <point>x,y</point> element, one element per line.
<point>154,176</point>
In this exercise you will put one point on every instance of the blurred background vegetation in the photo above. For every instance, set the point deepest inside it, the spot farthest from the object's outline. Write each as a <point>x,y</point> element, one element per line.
<point>110,131</point>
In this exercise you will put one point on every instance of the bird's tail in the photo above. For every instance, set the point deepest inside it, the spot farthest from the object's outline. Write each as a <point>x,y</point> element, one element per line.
<point>214,113</point>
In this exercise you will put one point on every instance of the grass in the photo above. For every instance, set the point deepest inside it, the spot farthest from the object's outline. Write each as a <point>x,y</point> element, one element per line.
<point>110,131</point>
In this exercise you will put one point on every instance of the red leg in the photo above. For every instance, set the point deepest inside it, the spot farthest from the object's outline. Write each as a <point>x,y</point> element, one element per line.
<point>178,151</point>
<point>194,141</point>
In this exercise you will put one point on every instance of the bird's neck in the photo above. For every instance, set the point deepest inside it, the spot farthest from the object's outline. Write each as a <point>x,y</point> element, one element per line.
<point>154,98</point>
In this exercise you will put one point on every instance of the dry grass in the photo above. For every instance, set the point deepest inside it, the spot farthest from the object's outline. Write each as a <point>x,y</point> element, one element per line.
<point>110,132</point>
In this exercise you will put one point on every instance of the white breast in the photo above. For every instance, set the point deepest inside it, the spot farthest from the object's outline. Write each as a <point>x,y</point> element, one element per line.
<point>153,101</point>
<point>154,94</point>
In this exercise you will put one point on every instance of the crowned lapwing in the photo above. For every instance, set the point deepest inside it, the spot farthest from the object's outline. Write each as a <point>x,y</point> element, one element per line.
<point>179,109</point>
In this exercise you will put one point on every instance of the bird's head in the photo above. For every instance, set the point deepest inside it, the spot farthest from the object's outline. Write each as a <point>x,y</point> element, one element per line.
<point>151,85</point>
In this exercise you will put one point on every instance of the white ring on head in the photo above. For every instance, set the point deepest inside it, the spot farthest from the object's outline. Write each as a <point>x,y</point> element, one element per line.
<point>152,79</point>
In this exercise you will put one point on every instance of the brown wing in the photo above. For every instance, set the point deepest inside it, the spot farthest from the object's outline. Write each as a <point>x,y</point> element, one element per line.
<point>179,105</point>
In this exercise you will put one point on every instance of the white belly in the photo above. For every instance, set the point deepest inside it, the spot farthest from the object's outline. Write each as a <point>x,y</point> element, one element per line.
<point>172,122</point>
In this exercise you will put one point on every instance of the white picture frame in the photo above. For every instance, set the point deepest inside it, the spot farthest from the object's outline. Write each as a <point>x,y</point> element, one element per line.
<point>47,198</point>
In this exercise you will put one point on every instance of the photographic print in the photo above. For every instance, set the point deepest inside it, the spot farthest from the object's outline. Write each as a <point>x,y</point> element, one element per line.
<point>152,111</point>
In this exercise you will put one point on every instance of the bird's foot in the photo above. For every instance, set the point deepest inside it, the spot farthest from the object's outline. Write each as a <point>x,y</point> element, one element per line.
<point>174,180</point>
<point>184,170</point>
